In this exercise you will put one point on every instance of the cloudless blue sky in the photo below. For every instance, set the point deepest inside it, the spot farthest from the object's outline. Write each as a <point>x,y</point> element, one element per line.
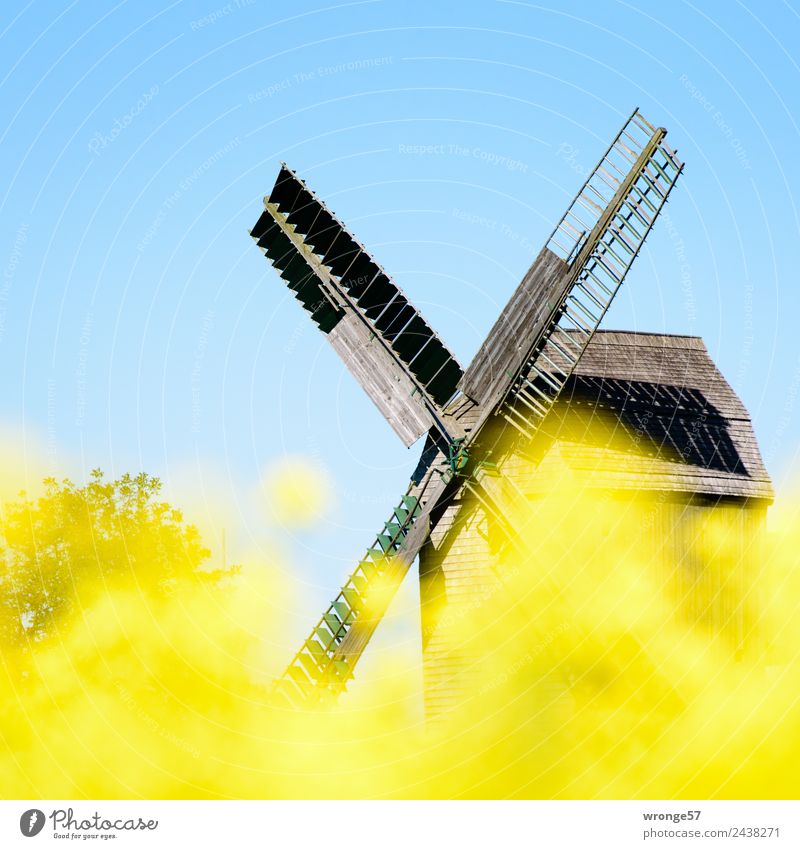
<point>140,328</point>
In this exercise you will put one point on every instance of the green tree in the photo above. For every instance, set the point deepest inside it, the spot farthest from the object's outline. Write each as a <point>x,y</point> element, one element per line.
<point>72,542</point>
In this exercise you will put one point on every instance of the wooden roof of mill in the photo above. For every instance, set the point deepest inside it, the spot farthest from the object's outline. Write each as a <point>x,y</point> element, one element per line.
<point>685,428</point>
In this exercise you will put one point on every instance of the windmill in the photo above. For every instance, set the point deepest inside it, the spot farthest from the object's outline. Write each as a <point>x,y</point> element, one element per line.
<point>416,382</point>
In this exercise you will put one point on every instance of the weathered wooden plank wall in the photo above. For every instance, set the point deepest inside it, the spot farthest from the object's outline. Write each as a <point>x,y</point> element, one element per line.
<point>709,572</point>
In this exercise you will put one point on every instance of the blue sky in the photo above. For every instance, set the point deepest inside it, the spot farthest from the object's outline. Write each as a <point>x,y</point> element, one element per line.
<point>140,328</point>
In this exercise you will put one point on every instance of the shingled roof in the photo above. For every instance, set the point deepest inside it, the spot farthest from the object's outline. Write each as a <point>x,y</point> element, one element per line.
<point>672,421</point>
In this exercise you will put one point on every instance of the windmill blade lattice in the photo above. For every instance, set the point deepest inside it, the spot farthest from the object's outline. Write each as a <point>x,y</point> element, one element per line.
<point>600,246</point>
<point>327,657</point>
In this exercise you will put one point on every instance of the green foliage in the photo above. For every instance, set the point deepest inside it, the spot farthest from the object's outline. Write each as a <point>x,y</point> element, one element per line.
<point>71,544</point>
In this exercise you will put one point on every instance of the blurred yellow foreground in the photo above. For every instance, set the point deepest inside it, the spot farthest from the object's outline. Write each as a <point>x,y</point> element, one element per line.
<point>593,677</point>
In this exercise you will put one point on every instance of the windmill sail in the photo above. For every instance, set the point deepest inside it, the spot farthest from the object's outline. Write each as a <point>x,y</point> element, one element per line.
<point>390,349</point>
<point>595,242</point>
<point>564,297</point>
<point>326,659</point>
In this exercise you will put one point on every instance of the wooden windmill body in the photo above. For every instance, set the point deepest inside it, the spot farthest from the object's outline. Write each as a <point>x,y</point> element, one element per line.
<point>544,348</point>
<point>643,414</point>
